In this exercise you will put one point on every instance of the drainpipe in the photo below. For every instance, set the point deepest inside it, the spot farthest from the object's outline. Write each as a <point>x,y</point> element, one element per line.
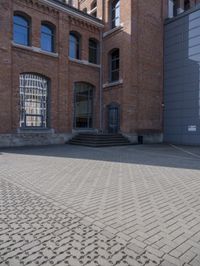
<point>101,83</point>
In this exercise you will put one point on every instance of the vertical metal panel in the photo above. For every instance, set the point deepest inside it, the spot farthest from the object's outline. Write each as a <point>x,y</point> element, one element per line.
<point>182,79</point>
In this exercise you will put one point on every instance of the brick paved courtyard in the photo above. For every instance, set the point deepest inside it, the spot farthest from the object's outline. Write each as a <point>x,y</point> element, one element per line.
<point>70,205</point>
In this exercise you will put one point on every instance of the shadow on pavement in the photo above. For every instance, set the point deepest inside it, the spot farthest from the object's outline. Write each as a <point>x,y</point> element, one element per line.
<point>156,155</point>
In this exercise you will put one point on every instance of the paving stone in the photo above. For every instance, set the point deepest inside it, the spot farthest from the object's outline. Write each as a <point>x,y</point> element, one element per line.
<point>96,205</point>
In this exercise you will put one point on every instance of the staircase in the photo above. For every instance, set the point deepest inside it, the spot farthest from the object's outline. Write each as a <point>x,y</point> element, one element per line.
<point>99,140</point>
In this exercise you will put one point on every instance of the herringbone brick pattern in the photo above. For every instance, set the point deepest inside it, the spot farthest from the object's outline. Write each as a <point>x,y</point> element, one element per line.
<point>146,196</point>
<point>34,231</point>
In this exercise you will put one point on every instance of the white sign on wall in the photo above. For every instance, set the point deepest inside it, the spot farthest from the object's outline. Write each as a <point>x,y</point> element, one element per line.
<point>192,128</point>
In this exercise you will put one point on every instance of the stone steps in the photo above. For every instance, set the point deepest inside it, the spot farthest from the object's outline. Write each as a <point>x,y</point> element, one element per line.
<point>99,140</point>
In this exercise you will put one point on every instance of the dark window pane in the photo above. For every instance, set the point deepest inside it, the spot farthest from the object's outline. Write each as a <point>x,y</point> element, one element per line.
<point>115,75</point>
<point>46,30</point>
<point>47,39</point>
<point>46,43</point>
<point>93,52</point>
<point>74,46</point>
<point>114,65</point>
<point>72,49</point>
<point>83,105</point>
<point>21,30</point>
<point>115,13</point>
<point>20,21</point>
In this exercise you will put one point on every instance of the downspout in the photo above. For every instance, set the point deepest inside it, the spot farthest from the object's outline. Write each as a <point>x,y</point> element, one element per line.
<point>101,83</point>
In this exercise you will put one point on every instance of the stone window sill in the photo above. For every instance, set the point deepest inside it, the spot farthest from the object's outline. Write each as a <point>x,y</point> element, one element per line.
<point>84,62</point>
<point>113,84</point>
<point>34,49</point>
<point>114,30</point>
<point>35,130</point>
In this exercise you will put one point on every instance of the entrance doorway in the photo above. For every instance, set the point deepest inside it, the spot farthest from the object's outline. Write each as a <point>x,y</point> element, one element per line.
<point>83,105</point>
<point>113,118</point>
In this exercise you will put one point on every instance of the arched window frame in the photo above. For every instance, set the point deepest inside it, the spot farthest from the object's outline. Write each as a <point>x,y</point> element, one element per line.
<point>34,100</point>
<point>93,54</point>
<point>26,28</point>
<point>51,35</point>
<point>115,13</point>
<point>114,65</point>
<point>75,45</point>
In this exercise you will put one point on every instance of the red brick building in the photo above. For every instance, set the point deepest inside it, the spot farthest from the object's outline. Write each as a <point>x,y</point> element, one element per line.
<point>71,66</point>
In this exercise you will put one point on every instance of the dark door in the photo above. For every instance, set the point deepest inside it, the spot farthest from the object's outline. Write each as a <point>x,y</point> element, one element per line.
<point>113,119</point>
<point>83,105</point>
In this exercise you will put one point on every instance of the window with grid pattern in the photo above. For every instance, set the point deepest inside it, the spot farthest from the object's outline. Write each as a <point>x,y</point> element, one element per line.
<point>33,101</point>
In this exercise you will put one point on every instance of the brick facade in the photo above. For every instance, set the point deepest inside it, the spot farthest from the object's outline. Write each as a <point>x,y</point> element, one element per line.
<point>57,67</point>
<point>138,94</point>
<point>140,40</point>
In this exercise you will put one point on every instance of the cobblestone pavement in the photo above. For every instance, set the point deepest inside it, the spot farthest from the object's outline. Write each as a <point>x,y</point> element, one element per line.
<point>69,205</point>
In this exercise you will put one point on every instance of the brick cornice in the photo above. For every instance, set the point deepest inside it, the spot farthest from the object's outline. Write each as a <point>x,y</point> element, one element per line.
<point>83,24</point>
<point>36,4</point>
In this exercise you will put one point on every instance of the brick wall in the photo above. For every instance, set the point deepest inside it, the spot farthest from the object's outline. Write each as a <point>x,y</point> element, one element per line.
<point>6,67</point>
<point>87,4</point>
<point>140,40</point>
<point>62,72</point>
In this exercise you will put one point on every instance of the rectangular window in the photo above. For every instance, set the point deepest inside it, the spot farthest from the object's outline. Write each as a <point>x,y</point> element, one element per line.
<point>115,13</point>
<point>114,65</point>
<point>93,52</point>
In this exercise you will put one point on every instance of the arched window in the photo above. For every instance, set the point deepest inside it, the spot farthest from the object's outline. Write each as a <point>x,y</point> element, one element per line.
<point>21,30</point>
<point>114,65</point>
<point>93,51</point>
<point>33,101</point>
<point>74,45</point>
<point>83,105</point>
<point>115,13</point>
<point>47,38</point>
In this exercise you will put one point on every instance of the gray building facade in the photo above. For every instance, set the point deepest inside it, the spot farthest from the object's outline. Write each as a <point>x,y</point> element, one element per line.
<point>182,79</point>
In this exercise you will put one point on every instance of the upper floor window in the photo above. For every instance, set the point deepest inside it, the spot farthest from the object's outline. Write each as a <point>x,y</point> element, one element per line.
<point>93,5</point>
<point>74,45</point>
<point>114,65</point>
<point>176,7</point>
<point>21,29</point>
<point>47,38</point>
<point>115,13</point>
<point>93,51</point>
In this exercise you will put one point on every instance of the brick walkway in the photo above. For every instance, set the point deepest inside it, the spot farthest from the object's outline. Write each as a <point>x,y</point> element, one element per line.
<point>69,205</point>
